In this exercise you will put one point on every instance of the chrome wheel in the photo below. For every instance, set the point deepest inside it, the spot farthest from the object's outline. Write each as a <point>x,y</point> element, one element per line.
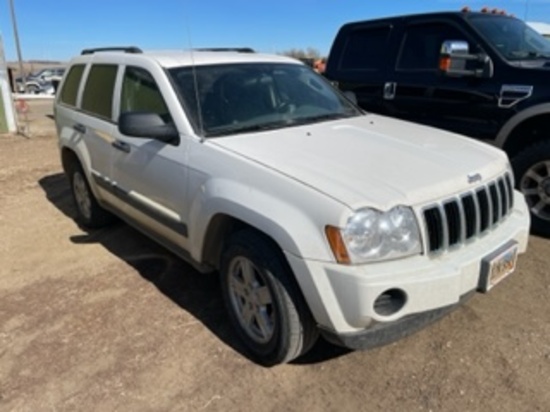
<point>251,300</point>
<point>82,195</point>
<point>535,185</point>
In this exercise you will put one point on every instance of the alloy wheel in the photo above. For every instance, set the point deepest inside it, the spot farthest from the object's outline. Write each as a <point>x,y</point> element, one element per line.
<point>535,185</point>
<point>251,300</point>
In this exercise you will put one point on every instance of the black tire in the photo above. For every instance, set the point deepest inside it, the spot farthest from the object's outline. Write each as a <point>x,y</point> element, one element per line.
<point>32,89</point>
<point>88,211</point>
<point>532,175</point>
<point>280,326</point>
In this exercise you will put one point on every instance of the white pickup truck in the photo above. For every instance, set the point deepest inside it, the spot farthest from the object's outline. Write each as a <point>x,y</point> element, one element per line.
<point>320,218</point>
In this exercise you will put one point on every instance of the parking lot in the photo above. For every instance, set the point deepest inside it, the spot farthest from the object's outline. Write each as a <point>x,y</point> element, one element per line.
<point>107,320</point>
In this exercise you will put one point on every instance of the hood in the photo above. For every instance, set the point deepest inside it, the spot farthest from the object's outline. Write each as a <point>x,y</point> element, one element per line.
<point>372,160</point>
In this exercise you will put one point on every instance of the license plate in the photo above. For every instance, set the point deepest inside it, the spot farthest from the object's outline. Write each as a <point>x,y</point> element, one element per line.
<point>497,266</point>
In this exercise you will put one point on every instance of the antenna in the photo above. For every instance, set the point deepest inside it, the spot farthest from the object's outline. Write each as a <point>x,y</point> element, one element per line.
<point>526,10</point>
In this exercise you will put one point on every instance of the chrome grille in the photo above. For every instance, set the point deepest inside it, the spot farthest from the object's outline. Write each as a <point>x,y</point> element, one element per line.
<point>457,220</point>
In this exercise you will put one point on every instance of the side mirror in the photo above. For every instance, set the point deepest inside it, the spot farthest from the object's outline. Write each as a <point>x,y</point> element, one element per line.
<point>147,125</point>
<point>454,56</point>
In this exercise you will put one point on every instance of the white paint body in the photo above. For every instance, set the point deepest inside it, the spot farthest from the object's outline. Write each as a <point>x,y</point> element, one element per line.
<point>291,183</point>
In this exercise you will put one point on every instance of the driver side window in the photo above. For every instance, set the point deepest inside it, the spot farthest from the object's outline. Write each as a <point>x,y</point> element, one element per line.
<point>140,93</point>
<point>422,44</point>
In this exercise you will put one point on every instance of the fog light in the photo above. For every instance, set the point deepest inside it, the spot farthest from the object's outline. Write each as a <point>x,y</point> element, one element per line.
<point>390,302</point>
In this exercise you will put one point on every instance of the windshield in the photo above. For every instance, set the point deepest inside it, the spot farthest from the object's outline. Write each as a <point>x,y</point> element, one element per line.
<point>235,98</point>
<point>514,39</point>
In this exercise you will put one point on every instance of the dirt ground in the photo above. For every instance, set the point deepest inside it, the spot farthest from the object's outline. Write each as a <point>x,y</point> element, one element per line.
<point>108,321</point>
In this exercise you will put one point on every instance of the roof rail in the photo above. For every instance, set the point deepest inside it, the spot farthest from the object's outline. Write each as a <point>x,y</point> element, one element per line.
<point>227,49</point>
<point>131,49</point>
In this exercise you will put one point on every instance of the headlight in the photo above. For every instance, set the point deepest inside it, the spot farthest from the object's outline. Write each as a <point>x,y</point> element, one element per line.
<point>371,235</point>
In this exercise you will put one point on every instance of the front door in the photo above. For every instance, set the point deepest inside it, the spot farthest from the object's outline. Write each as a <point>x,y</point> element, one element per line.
<point>150,175</point>
<point>463,104</point>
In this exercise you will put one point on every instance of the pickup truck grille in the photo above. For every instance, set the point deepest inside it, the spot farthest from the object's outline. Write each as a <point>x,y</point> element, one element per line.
<point>452,222</point>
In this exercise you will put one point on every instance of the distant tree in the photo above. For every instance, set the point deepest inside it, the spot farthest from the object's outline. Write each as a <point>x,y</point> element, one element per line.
<point>309,56</point>
<point>301,54</point>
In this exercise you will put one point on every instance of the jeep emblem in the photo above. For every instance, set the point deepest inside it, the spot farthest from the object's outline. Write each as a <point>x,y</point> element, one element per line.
<point>474,178</point>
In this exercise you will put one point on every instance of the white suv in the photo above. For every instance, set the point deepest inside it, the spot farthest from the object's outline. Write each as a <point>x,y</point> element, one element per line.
<point>319,218</point>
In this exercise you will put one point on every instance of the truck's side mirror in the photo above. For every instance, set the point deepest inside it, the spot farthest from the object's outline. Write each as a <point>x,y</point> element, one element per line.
<point>454,56</point>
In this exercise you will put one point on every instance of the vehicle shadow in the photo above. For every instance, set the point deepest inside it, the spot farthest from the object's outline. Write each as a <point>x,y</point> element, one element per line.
<point>196,293</point>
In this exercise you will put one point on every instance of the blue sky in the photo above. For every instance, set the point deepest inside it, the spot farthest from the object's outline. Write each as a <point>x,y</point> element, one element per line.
<point>59,29</point>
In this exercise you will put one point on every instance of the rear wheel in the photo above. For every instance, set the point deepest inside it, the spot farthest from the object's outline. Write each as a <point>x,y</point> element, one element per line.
<point>532,173</point>
<point>89,212</point>
<point>264,302</point>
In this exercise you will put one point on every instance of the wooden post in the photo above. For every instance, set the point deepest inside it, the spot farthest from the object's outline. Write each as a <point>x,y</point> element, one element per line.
<point>8,122</point>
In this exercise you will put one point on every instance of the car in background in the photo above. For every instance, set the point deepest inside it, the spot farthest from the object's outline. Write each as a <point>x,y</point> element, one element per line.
<point>41,82</point>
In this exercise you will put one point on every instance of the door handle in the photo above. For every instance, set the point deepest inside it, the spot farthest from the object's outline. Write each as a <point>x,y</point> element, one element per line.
<point>80,128</point>
<point>122,146</point>
<point>389,90</point>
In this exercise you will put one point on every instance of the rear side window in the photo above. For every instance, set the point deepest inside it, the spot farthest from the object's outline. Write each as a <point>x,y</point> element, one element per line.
<point>366,49</point>
<point>422,44</point>
<point>98,93</point>
<point>70,87</point>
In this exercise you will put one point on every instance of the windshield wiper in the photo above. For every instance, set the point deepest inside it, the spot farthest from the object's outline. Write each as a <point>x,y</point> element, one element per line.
<point>322,118</point>
<point>531,55</point>
<point>537,55</point>
<point>235,129</point>
<point>226,131</point>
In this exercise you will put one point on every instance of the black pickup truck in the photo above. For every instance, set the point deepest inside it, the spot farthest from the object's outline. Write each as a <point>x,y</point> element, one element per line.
<point>484,75</point>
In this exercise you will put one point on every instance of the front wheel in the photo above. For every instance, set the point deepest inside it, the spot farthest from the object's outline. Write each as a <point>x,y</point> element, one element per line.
<point>264,302</point>
<point>532,173</point>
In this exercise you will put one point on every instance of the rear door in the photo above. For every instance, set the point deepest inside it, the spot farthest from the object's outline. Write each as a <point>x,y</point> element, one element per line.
<point>84,117</point>
<point>360,61</point>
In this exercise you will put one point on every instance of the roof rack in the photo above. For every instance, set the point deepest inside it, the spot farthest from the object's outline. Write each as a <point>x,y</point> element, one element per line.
<point>227,49</point>
<point>131,49</point>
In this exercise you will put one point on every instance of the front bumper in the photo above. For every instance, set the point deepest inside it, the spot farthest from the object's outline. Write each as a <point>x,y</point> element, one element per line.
<point>342,298</point>
<point>384,333</point>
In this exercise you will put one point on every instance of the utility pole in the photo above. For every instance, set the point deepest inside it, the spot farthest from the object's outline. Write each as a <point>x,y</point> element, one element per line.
<point>18,46</point>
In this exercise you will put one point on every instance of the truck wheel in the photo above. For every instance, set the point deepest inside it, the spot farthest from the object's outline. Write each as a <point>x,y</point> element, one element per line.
<point>89,213</point>
<point>263,300</point>
<point>532,173</point>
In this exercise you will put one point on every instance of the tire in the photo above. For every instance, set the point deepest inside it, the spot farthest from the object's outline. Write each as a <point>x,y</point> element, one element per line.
<point>88,211</point>
<point>264,302</point>
<point>32,89</point>
<point>532,175</point>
